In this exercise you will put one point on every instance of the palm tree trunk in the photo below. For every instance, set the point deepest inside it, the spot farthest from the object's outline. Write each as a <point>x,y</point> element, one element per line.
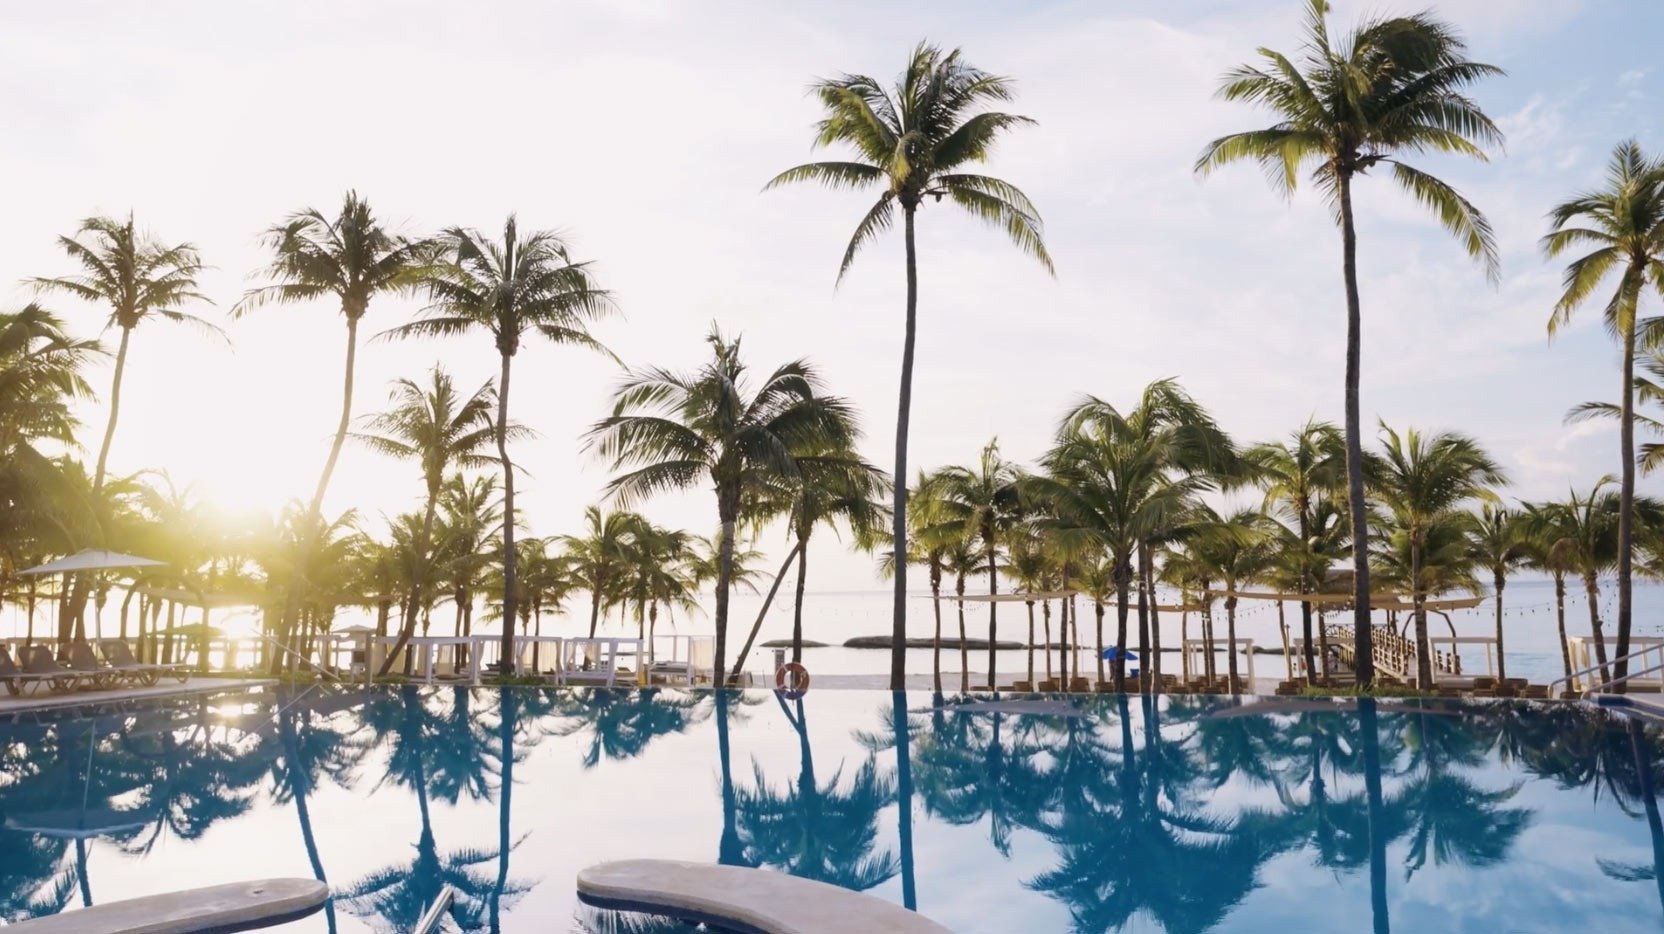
<point>904,405</point>
<point>1143,627</point>
<point>1121,580</point>
<point>1306,587</point>
<point>936,606</point>
<point>1154,662</point>
<point>1030,644</point>
<point>1626,507</point>
<point>1046,621</point>
<point>993,605</point>
<point>1560,616</point>
<point>1230,636</point>
<point>510,559</point>
<point>595,607</point>
<point>1098,612</point>
<point>1282,628</point>
<point>1363,641</point>
<point>314,509</point>
<point>964,651</point>
<point>724,575</point>
<point>1501,664</point>
<point>797,610</point>
<point>1418,593</point>
<point>83,582</point>
<point>1592,588</point>
<point>739,662</point>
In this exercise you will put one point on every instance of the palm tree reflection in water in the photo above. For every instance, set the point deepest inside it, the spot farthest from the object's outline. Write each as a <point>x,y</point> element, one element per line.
<point>1159,809</point>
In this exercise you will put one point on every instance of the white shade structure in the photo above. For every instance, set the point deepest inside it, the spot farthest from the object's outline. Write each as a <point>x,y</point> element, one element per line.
<point>92,559</point>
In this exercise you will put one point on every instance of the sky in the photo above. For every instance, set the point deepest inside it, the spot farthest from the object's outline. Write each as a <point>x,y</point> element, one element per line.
<point>644,133</point>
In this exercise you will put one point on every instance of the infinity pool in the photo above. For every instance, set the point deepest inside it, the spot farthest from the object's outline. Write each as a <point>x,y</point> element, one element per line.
<point>1093,814</point>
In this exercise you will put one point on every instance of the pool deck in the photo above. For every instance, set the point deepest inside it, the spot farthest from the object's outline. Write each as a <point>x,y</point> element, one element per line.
<point>196,686</point>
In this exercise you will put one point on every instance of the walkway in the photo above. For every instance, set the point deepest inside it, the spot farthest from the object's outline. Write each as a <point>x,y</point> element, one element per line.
<point>30,703</point>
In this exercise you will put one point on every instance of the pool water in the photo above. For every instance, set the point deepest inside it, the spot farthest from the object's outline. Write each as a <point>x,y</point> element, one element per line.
<point>1085,814</point>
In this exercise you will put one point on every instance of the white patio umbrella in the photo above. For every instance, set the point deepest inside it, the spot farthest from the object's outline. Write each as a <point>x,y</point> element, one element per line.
<point>92,559</point>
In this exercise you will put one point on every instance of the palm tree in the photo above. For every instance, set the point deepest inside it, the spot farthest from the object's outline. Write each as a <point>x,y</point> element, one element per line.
<point>1422,481</point>
<point>353,258</point>
<point>984,505</point>
<point>1394,86</point>
<point>1031,568</point>
<point>1297,474</point>
<point>677,430</point>
<point>657,573</point>
<point>835,488</point>
<point>1236,550</point>
<point>468,510</point>
<point>597,557</point>
<point>1548,541</point>
<point>1116,481</point>
<point>1500,545</point>
<point>443,431</point>
<point>912,141</point>
<point>1623,224</point>
<point>511,289</point>
<point>140,279</point>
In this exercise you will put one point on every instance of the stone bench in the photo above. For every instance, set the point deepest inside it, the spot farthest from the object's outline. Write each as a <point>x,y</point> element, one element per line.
<point>221,909</point>
<point>751,900</point>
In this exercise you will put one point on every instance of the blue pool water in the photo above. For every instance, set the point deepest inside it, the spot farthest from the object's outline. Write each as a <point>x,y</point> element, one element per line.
<point>1090,814</point>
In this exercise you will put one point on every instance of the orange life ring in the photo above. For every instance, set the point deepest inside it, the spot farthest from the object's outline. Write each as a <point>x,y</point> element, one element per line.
<point>799,680</point>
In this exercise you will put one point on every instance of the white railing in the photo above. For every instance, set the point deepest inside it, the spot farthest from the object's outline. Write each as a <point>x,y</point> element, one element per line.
<point>1637,676</point>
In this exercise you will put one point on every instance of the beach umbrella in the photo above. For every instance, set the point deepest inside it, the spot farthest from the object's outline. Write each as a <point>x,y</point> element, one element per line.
<point>92,559</point>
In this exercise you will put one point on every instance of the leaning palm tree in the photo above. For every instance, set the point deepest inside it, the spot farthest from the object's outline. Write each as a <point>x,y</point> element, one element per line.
<point>140,279</point>
<point>1395,86</point>
<point>354,258</point>
<point>984,504</point>
<point>1545,528</point>
<point>1623,225</point>
<point>671,431</point>
<point>444,431</point>
<point>1500,545</point>
<point>1422,481</point>
<point>512,289</point>
<point>913,142</point>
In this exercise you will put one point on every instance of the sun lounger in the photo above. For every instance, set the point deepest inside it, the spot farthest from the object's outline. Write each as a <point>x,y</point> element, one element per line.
<point>41,663</point>
<point>92,669</point>
<point>120,657</point>
<point>17,680</point>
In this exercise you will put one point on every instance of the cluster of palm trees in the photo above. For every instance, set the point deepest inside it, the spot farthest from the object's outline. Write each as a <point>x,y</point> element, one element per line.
<point>1121,512</point>
<point>1170,809</point>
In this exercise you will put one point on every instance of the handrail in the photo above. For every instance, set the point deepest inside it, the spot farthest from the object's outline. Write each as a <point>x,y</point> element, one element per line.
<point>1633,674</point>
<point>1567,680</point>
<point>436,911</point>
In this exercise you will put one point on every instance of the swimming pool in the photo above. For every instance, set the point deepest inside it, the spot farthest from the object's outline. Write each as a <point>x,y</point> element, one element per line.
<point>1085,814</point>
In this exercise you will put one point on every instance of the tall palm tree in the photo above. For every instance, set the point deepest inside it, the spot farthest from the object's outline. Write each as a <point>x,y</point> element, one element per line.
<point>1297,473</point>
<point>140,279</point>
<point>598,556</point>
<point>1622,224</point>
<point>913,142</point>
<point>677,430</point>
<point>1395,86</point>
<point>443,431</point>
<point>985,504</point>
<point>1499,544</point>
<point>512,289</point>
<point>1423,480</point>
<point>353,258</point>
